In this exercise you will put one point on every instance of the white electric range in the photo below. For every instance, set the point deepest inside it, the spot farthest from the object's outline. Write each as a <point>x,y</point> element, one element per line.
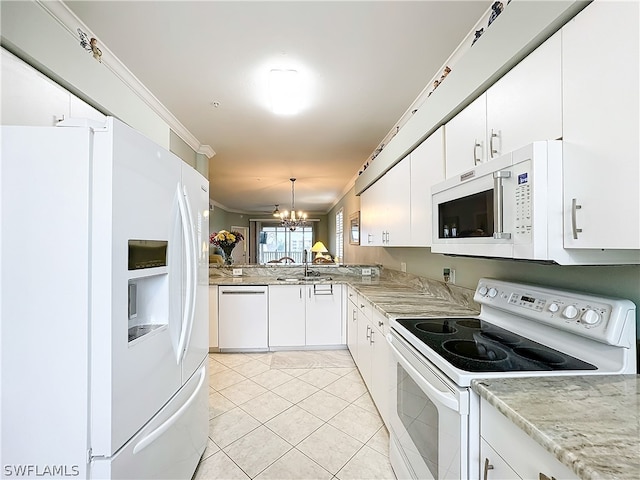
<point>522,330</point>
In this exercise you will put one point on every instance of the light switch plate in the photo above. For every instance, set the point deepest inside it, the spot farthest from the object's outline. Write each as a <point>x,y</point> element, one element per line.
<point>366,272</point>
<point>237,272</point>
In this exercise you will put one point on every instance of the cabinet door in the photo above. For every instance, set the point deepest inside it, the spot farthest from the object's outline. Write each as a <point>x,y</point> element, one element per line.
<point>466,138</point>
<point>427,169</point>
<point>286,316</point>
<point>364,348</point>
<point>380,364</point>
<point>371,215</point>
<point>213,317</point>
<point>352,329</point>
<point>601,146</point>
<point>397,204</point>
<point>324,315</point>
<point>493,466</point>
<point>526,104</point>
<point>28,97</point>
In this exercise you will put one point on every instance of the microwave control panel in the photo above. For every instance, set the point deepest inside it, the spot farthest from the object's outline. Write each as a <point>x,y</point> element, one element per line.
<point>523,218</point>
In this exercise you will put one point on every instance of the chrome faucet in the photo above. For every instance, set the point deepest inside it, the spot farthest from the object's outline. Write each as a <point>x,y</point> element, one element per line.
<point>306,263</point>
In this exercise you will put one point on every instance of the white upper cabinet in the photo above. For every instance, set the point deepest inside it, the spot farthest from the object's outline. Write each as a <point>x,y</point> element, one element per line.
<point>28,97</point>
<point>427,169</point>
<point>524,106</point>
<point>385,209</point>
<point>466,138</point>
<point>601,158</point>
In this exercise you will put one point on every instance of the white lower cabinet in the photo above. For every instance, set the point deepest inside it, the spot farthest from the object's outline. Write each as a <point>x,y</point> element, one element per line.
<point>324,324</point>
<point>507,452</point>
<point>373,355</point>
<point>305,315</point>
<point>286,315</point>
<point>213,317</point>
<point>352,323</point>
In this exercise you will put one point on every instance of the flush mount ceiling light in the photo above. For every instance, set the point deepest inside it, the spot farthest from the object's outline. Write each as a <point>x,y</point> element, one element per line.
<point>284,91</point>
<point>293,220</point>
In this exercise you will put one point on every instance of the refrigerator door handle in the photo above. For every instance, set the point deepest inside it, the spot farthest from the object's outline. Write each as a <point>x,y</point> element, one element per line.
<point>186,234</point>
<point>158,432</point>
<point>192,254</point>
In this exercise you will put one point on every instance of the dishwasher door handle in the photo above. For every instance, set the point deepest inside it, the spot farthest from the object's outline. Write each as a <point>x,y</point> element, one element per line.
<point>243,292</point>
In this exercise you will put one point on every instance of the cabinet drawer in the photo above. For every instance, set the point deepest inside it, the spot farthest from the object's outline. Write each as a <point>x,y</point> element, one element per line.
<point>380,322</point>
<point>364,306</point>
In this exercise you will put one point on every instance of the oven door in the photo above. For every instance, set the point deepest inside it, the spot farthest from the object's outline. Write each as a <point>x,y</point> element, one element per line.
<point>429,418</point>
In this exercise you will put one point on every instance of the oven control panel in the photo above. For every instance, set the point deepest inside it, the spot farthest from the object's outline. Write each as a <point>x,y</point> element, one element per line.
<point>599,318</point>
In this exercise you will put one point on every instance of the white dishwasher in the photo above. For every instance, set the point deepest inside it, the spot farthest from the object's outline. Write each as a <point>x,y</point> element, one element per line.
<point>242,317</point>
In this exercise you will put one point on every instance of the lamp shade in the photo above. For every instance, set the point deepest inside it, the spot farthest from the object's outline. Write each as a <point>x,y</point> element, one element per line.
<point>319,248</point>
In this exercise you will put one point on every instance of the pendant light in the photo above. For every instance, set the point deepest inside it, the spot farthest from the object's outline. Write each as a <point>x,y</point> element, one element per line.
<point>293,219</point>
<point>276,212</point>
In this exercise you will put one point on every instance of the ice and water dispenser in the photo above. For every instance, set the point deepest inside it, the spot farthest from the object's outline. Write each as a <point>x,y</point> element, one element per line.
<point>148,287</point>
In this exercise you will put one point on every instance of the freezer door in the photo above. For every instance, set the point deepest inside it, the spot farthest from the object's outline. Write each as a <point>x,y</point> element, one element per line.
<point>195,264</point>
<point>135,368</point>
<point>171,445</point>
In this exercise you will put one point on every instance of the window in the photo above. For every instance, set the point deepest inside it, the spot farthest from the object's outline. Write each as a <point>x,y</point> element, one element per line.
<point>277,242</point>
<point>340,235</point>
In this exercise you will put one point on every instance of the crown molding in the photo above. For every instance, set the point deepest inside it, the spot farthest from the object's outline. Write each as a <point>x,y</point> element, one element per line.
<point>70,22</point>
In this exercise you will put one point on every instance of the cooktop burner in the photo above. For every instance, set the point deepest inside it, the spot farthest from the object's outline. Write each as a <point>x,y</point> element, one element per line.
<point>475,345</point>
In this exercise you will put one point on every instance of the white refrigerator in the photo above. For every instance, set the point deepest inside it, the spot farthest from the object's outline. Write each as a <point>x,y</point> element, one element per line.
<point>103,305</point>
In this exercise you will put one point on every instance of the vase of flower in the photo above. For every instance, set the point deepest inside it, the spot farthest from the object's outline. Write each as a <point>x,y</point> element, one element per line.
<point>228,259</point>
<point>227,241</point>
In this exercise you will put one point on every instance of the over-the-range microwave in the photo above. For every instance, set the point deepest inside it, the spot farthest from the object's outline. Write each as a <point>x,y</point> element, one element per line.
<point>512,207</point>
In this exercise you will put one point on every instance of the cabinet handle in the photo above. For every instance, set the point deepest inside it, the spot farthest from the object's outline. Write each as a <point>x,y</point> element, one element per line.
<point>300,289</point>
<point>487,467</point>
<point>380,323</point>
<point>371,342</point>
<point>491,149</point>
<point>498,204</point>
<point>355,315</point>
<point>368,331</point>
<point>574,221</point>
<point>476,144</point>
<point>542,476</point>
<point>369,238</point>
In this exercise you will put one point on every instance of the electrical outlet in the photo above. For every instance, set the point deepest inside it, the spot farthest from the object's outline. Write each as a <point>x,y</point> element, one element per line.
<point>237,272</point>
<point>449,275</point>
<point>403,267</point>
<point>366,272</point>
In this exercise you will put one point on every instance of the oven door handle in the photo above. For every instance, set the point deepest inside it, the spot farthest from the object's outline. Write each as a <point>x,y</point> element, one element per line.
<point>448,401</point>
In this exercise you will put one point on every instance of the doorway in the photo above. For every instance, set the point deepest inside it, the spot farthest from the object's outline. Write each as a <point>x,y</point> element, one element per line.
<point>240,254</point>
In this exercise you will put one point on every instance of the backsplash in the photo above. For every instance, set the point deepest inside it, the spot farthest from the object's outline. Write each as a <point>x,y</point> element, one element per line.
<point>252,270</point>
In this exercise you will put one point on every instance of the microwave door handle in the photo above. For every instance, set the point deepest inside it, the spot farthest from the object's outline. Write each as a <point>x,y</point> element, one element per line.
<point>498,205</point>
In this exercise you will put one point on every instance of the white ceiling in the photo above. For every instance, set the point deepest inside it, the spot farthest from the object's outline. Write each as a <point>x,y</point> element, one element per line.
<point>366,63</point>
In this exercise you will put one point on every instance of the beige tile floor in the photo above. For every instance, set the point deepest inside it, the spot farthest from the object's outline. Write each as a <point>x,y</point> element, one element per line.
<point>278,416</point>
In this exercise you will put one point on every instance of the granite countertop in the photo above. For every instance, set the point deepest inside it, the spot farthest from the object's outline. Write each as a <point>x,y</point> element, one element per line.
<point>390,296</point>
<point>590,423</point>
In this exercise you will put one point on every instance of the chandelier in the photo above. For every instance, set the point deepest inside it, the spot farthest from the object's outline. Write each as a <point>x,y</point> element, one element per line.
<point>291,219</point>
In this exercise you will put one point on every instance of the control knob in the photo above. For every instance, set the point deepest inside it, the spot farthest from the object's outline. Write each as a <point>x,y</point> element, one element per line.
<point>554,307</point>
<point>590,317</point>
<point>570,312</point>
<point>483,290</point>
<point>492,292</point>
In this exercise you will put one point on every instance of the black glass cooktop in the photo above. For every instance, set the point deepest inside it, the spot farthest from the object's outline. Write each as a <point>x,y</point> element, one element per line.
<point>475,345</point>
